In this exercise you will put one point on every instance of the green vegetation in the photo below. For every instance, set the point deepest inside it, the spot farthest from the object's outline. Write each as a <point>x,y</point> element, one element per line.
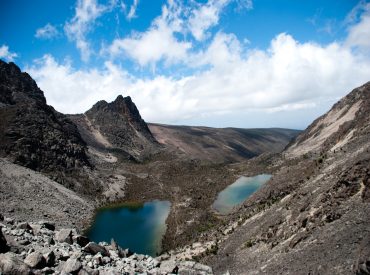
<point>248,244</point>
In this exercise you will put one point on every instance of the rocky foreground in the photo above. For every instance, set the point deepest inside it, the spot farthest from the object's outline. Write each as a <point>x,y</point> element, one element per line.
<point>37,248</point>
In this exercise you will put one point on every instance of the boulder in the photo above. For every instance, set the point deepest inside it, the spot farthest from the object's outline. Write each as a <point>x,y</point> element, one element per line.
<point>3,245</point>
<point>1,217</point>
<point>35,260</point>
<point>36,228</point>
<point>10,264</point>
<point>81,240</point>
<point>64,236</point>
<point>169,266</point>
<point>9,220</point>
<point>47,225</point>
<point>94,248</point>
<point>24,225</point>
<point>50,258</point>
<point>88,271</point>
<point>124,253</point>
<point>72,265</point>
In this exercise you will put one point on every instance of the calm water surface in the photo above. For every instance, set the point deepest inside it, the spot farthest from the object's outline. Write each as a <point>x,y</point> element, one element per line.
<point>238,192</point>
<point>137,227</point>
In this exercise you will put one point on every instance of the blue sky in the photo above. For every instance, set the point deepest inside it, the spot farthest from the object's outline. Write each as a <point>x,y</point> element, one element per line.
<point>240,63</point>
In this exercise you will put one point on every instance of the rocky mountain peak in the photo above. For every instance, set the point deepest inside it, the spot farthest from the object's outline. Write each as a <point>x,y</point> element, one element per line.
<point>32,133</point>
<point>120,124</point>
<point>16,87</point>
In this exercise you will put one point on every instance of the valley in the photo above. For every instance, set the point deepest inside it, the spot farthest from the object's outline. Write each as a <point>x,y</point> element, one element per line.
<point>310,217</point>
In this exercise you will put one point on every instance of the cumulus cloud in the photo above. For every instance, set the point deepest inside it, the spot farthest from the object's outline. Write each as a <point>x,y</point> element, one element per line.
<point>6,54</point>
<point>47,32</point>
<point>359,32</point>
<point>288,76</point>
<point>157,43</point>
<point>165,40</point>
<point>86,12</point>
<point>205,17</point>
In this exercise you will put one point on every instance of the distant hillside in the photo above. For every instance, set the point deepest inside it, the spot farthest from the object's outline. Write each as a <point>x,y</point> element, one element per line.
<point>222,144</point>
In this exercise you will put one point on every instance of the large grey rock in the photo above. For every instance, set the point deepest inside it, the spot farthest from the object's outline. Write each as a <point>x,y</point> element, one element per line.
<point>36,228</point>
<point>9,220</point>
<point>11,265</point>
<point>3,245</point>
<point>72,265</point>
<point>50,258</point>
<point>88,271</point>
<point>94,248</point>
<point>64,236</point>
<point>24,225</point>
<point>47,225</point>
<point>81,240</point>
<point>35,260</point>
<point>169,266</point>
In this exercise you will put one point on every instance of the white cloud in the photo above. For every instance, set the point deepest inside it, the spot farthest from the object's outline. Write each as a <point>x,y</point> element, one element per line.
<point>86,12</point>
<point>288,76</point>
<point>47,32</point>
<point>157,43</point>
<point>359,33</point>
<point>6,54</point>
<point>131,13</point>
<point>165,40</point>
<point>205,17</point>
<point>245,4</point>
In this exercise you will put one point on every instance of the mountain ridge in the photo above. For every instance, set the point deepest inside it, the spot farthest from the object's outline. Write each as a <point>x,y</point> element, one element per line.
<point>312,216</point>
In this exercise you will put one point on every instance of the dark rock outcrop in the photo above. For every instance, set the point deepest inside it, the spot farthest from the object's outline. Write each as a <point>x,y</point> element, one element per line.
<point>3,244</point>
<point>32,133</point>
<point>94,248</point>
<point>120,123</point>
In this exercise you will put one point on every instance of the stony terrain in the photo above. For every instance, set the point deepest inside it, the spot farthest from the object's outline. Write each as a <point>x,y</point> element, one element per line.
<point>38,248</point>
<point>222,145</point>
<point>312,217</point>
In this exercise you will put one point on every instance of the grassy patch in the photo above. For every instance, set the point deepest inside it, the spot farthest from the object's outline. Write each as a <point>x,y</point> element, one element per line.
<point>248,244</point>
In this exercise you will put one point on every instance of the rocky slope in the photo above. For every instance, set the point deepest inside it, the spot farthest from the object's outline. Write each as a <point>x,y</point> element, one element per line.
<point>117,127</point>
<point>37,248</point>
<point>222,145</point>
<point>32,133</point>
<point>312,217</point>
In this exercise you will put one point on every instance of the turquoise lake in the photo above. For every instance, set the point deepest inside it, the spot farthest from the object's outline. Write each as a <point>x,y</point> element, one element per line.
<point>139,228</point>
<point>238,192</point>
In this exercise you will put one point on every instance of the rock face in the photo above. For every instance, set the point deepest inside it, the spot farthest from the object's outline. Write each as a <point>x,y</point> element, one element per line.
<point>333,130</point>
<point>312,217</point>
<point>117,126</point>
<point>32,133</point>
